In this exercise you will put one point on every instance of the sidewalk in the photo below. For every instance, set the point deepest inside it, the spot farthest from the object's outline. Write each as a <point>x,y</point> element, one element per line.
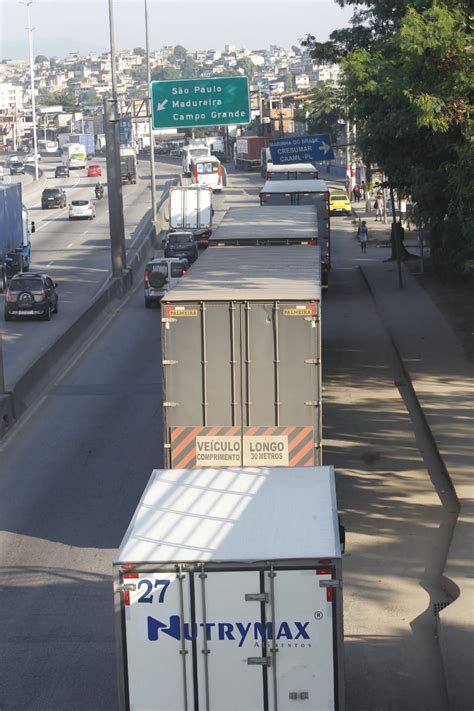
<point>442,380</point>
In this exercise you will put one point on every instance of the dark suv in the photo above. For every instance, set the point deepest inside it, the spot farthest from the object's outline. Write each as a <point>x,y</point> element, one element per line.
<point>17,168</point>
<point>31,295</point>
<point>181,244</point>
<point>53,197</point>
<point>61,171</point>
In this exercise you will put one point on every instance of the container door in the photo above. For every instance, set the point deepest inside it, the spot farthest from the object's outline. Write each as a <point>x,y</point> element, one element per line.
<point>205,209</point>
<point>191,208</point>
<point>177,209</point>
<point>304,675</point>
<point>159,673</point>
<point>231,676</point>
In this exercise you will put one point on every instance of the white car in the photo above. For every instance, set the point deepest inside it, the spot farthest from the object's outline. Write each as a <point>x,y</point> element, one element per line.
<point>81,208</point>
<point>30,158</point>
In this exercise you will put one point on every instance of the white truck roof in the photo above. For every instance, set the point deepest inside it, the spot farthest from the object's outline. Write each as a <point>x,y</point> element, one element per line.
<point>244,514</point>
<point>291,168</point>
<point>279,221</point>
<point>252,274</point>
<point>295,186</point>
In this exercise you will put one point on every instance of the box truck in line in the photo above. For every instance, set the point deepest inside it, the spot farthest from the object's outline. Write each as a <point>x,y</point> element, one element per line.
<point>128,164</point>
<point>291,171</point>
<point>247,152</point>
<point>15,245</point>
<point>241,358</point>
<point>191,210</point>
<point>194,149</point>
<point>228,593</point>
<point>305,192</point>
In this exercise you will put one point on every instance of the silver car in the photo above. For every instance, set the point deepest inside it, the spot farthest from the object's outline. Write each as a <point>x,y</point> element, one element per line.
<point>81,208</point>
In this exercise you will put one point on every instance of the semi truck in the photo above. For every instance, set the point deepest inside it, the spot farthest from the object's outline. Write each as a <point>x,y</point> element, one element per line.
<point>304,192</point>
<point>128,164</point>
<point>15,245</point>
<point>291,171</point>
<point>247,152</point>
<point>241,359</point>
<point>267,226</point>
<point>228,592</point>
<point>191,210</point>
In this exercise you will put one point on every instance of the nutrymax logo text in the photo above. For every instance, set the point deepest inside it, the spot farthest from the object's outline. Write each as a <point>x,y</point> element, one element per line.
<point>223,631</point>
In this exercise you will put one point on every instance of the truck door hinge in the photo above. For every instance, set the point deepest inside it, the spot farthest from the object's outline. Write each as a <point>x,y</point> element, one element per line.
<point>329,584</point>
<point>312,361</point>
<point>170,404</point>
<point>170,362</point>
<point>128,587</point>
<point>312,403</point>
<point>257,597</point>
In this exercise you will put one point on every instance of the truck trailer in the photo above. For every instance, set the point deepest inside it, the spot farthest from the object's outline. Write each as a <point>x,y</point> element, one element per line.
<point>128,164</point>
<point>267,227</point>
<point>15,246</point>
<point>191,210</point>
<point>247,152</point>
<point>304,192</point>
<point>228,592</point>
<point>241,358</point>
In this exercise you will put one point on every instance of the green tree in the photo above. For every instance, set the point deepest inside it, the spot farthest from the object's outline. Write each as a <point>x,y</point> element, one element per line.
<point>189,68</point>
<point>407,81</point>
<point>247,66</point>
<point>139,51</point>
<point>165,73</point>
<point>327,109</point>
<point>66,99</point>
<point>179,52</point>
<point>289,82</point>
<point>40,58</point>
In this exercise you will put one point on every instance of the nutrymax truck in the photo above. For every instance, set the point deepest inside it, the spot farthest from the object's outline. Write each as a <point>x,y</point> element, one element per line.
<point>228,593</point>
<point>241,355</point>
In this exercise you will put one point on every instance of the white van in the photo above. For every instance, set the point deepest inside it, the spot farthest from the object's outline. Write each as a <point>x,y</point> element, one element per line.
<point>191,151</point>
<point>207,171</point>
<point>161,274</point>
<point>2,173</point>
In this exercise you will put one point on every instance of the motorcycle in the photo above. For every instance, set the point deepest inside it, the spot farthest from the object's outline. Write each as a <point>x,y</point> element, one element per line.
<point>99,193</point>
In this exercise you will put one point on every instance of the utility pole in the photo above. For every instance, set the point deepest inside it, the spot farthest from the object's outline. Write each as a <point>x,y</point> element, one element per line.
<point>32,84</point>
<point>114,182</point>
<point>150,120</point>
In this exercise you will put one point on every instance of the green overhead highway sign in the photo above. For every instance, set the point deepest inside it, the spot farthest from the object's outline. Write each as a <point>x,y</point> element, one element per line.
<point>188,103</point>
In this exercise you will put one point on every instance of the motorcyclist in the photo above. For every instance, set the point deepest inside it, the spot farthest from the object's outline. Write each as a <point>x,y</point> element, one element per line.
<point>99,189</point>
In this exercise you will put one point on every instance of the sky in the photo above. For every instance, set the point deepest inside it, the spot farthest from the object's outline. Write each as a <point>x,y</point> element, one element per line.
<point>64,26</point>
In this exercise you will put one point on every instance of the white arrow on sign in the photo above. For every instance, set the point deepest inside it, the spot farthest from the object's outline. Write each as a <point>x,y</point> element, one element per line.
<point>161,105</point>
<point>325,147</point>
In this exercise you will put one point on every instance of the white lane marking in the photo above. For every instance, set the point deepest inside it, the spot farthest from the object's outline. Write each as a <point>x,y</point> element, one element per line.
<point>70,245</point>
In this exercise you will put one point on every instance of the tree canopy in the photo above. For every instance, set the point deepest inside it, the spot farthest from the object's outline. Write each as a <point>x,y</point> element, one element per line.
<point>407,83</point>
<point>40,58</point>
<point>179,52</point>
<point>139,51</point>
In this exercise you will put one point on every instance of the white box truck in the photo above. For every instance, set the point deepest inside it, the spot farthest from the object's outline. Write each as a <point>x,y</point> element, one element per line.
<point>191,210</point>
<point>228,593</point>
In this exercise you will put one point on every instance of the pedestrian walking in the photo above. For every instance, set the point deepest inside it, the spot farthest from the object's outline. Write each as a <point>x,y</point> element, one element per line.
<point>348,185</point>
<point>378,205</point>
<point>363,236</point>
<point>363,188</point>
<point>356,192</point>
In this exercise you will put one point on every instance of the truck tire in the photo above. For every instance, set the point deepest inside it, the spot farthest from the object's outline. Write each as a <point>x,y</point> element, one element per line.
<point>47,314</point>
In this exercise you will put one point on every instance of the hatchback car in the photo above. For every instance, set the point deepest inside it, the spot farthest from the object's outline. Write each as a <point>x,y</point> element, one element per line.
<point>61,171</point>
<point>339,203</point>
<point>160,276</point>
<point>81,208</point>
<point>53,197</point>
<point>30,158</point>
<point>94,171</point>
<point>17,168</point>
<point>181,244</point>
<point>31,295</point>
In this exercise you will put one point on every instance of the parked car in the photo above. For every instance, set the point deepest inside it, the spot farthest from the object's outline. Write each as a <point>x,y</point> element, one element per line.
<point>31,295</point>
<point>30,158</point>
<point>81,208</point>
<point>176,152</point>
<point>53,197</point>
<point>94,171</point>
<point>61,171</point>
<point>160,276</point>
<point>181,244</point>
<point>339,203</point>
<point>17,168</point>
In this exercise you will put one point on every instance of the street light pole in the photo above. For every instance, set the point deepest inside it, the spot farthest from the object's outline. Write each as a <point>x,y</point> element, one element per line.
<point>32,83</point>
<point>114,181</point>
<point>150,123</point>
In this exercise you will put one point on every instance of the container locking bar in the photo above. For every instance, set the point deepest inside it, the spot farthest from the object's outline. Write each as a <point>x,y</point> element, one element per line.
<point>329,584</point>
<point>125,588</point>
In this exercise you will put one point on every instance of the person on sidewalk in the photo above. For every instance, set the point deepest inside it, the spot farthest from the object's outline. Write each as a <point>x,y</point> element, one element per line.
<point>363,188</point>
<point>356,192</point>
<point>378,205</point>
<point>363,236</point>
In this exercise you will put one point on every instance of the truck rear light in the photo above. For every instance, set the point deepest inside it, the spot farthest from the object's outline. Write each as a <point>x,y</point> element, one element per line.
<point>146,279</point>
<point>131,575</point>
<point>323,571</point>
<point>128,566</point>
<point>329,594</point>
<point>325,259</point>
<point>313,242</point>
<point>195,173</point>
<point>9,296</point>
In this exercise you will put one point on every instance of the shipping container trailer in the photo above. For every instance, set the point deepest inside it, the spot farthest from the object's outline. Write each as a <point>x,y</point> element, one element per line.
<point>15,245</point>
<point>304,192</point>
<point>228,593</point>
<point>247,152</point>
<point>267,226</point>
<point>241,355</point>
